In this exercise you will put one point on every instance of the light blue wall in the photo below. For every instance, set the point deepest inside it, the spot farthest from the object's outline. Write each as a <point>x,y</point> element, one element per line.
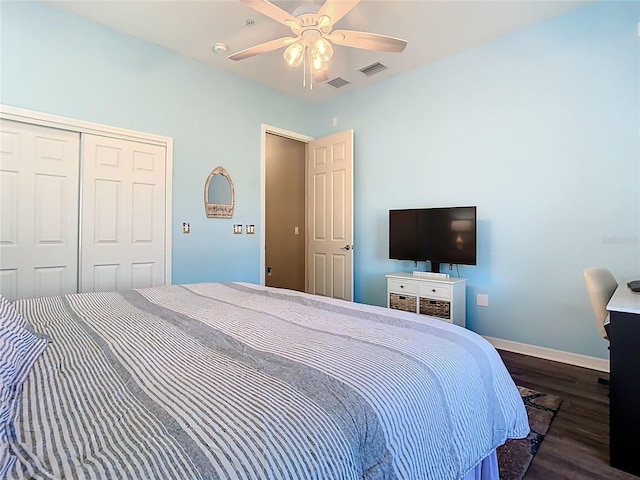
<point>540,130</point>
<point>59,63</point>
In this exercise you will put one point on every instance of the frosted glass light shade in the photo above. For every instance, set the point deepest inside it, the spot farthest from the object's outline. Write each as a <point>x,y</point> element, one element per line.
<point>316,63</point>
<point>294,54</point>
<point>322,49</point>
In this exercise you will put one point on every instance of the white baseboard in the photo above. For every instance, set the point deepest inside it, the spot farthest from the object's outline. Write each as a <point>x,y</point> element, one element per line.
<point>576,359</point>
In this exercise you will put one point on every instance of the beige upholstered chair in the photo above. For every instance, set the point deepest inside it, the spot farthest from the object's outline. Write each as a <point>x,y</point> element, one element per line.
<point>600,287</point>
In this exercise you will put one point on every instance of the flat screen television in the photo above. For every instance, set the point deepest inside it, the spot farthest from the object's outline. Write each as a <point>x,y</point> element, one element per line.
<point>438,235</point>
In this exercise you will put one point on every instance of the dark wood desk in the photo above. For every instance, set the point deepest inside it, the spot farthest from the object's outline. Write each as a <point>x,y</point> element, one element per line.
<point>624,394</point>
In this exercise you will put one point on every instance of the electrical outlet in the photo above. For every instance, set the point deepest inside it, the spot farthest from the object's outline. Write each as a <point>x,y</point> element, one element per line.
<point>237,229</point>
<point>186,228</point>
<point>296,231</point>
<point>251,229</point>
<point>482,300</point>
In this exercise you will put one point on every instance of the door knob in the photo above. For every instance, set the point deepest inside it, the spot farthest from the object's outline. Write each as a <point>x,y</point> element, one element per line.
<point>346,247</point>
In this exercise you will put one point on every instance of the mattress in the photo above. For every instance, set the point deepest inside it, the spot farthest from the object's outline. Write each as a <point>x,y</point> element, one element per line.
<point>239,381</point>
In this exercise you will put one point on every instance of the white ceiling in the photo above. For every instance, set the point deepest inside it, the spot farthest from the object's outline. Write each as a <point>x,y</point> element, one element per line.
<point>433,30</point>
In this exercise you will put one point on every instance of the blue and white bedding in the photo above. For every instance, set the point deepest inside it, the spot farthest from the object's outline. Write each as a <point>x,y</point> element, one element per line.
<point>238,381</point>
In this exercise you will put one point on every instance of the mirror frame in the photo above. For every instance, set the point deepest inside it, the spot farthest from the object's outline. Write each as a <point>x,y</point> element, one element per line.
<point>218,210</point>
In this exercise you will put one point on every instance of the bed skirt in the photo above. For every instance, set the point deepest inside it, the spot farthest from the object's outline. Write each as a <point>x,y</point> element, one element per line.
<point>487,469</point>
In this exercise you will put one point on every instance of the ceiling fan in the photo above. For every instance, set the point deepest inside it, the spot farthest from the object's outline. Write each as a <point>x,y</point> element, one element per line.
<point>312,26</point>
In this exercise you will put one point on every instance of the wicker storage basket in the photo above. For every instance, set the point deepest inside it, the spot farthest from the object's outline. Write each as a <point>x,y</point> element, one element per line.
<point>435,308</point>
<point>408,303</point>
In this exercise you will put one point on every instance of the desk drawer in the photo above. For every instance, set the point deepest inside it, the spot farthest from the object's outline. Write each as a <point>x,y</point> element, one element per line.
<point>399,286</point>
<point>434,290</point>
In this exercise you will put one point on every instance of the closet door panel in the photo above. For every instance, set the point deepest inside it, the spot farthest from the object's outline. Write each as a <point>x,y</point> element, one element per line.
<point>123,214</point>
<point>8,207</point>
<point>142,274</point>
<point>50,281</point>
<point>51,210</point>
<point>107,203</point>
<point>143,212</point>
<point>39,176</point>
<point>106,278</point>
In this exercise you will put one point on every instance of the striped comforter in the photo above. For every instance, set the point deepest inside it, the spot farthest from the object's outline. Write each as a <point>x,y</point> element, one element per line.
<point>237,381</point>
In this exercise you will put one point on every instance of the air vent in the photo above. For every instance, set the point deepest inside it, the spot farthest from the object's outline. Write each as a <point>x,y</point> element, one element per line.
<point>373,69</point>
<point>338,82</point>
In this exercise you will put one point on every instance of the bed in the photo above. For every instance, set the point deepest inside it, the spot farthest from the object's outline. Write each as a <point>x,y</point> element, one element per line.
<point>240,381</point>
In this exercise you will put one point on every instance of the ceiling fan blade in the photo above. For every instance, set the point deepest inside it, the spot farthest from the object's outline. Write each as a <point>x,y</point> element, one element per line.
<point>270,10</point>
<point>263,48</point>
<point>336,9</point>
<point>367,41</point>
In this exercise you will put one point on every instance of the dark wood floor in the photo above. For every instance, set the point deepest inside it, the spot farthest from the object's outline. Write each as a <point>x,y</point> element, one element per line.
<point>577,444</point>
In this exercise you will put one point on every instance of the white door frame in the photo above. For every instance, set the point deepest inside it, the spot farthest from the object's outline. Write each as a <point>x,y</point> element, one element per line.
<point>64,123</point>
<point>263,184</point>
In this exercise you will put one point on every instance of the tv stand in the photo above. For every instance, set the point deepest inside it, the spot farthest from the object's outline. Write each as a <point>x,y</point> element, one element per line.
<point>443,298</point>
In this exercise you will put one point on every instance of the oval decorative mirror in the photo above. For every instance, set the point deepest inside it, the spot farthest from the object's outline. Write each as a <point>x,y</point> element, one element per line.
<point>219,196</point>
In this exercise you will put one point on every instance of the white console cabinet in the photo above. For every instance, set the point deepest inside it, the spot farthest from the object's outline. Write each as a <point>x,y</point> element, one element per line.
<point>443,298</point>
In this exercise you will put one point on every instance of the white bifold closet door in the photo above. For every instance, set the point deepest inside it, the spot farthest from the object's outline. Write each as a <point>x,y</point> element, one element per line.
<point>38,210</point>
<point>79,212</point>
<point>123,214</point>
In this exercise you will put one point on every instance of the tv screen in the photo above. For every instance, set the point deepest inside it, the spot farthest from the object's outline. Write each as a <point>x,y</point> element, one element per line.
<point>438,235</point>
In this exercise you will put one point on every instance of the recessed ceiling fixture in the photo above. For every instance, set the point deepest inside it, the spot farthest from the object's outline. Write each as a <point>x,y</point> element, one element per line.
<point>312,44</point>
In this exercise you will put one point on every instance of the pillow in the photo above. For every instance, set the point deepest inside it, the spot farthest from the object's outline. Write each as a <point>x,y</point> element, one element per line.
<point>9,317</point>
<point>19,349</point>
<point>6,459</point>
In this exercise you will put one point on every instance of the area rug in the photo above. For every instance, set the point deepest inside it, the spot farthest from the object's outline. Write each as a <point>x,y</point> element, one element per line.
<point>515,456</point>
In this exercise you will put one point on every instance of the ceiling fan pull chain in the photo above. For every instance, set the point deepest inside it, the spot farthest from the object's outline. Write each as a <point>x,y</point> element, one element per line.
<point>304,67</point>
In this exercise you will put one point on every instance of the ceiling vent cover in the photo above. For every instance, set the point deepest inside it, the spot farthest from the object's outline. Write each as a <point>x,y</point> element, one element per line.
<point>373,69</point>
<point>338,82</point>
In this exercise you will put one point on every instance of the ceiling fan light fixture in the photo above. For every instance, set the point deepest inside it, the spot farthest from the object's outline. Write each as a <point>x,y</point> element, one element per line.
<point>314,39</point>
<point>322,49</point>
<point>318,65</point>
<point>294,54</point>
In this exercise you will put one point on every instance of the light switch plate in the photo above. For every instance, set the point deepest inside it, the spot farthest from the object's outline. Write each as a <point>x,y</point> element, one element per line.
<point>237,229</point>
<point>251,229</point>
